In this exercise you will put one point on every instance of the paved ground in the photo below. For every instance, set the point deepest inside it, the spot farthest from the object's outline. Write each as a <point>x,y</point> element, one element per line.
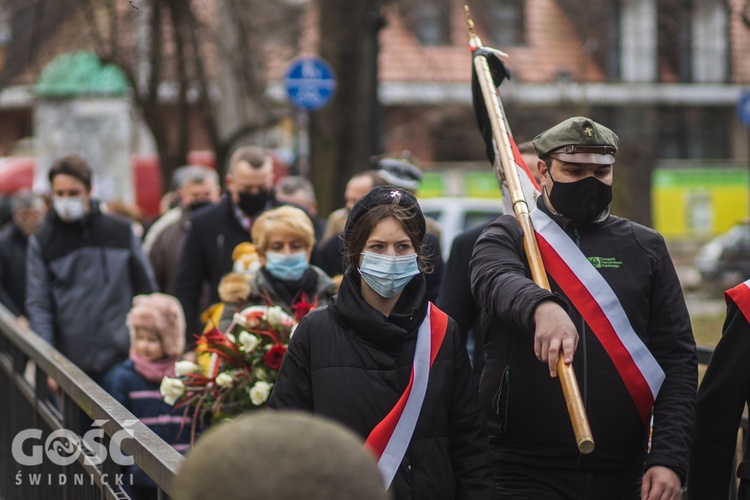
<point>701,299</point>
<point>700,305</point>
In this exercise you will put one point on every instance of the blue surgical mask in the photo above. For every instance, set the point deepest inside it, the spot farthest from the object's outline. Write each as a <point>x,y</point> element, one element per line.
<point>287,267</point>
<point>388,275</point>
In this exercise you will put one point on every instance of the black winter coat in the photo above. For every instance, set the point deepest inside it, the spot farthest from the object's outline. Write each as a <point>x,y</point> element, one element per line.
<point>455,293</point>
<point>206,256</point>
<point>721,400</point>
<point>13,245</point>
<point>526,413</point>
<point>351,363</point>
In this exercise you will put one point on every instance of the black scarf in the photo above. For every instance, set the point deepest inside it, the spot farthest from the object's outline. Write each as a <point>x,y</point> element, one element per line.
<point>290,291</point>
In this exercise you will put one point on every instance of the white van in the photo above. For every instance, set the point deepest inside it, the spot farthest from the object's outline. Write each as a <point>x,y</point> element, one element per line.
<point>455,214</point>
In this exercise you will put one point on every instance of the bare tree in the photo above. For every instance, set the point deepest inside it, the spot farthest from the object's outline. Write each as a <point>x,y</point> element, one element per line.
<point>189,57</point>
<point>188,61</point>
<point>209,62</point>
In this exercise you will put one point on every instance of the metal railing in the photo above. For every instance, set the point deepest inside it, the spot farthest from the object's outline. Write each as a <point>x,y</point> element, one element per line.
<point>44,431</point>
<point>27,405</point>
<point>704,354</point>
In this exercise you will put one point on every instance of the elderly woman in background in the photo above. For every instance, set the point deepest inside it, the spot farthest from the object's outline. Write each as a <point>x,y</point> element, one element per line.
<point>284,238</point>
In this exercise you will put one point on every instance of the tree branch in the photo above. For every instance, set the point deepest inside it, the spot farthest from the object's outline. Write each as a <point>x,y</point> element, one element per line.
<point>179,25</point>
<point>93,25</point>
<point>113,29</point>
<point>154,56</point>
<point>202,78</point>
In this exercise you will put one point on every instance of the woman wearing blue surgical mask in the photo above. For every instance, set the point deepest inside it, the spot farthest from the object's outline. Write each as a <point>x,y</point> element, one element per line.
<point>284,238</point>
<point>384,361</point>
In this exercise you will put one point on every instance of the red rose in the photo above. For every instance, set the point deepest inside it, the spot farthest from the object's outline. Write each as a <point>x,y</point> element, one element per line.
<point>274,356</point>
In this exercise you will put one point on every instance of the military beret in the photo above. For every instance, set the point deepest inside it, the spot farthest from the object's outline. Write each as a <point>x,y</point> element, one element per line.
<point>385,195</point>
<point>399,173</point>
<point>578,140</point>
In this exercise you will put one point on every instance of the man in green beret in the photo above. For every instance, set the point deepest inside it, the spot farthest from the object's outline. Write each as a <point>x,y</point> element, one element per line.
<point>615,312</point>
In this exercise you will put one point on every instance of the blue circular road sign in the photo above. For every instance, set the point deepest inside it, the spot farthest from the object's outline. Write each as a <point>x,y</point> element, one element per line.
<point>743,107</point>
<point>310,82</point>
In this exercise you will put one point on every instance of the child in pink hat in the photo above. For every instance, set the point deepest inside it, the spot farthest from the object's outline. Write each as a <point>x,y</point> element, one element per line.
<point>157,340</point>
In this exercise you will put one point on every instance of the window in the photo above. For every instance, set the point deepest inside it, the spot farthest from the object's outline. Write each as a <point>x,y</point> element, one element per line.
<point>502,20</point>
<point>474,217</point>
<point>683,133</point>
<point>693,40</point>
<point>431,21</point>
<point>638,42</point>
<point>709,41</point>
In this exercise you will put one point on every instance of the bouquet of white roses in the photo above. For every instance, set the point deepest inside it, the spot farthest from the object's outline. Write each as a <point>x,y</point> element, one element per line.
<point>245,361</point>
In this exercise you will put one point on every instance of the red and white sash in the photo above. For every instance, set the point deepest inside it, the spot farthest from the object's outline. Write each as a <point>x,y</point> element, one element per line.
<point>391,437</point>
<point>740,295</point>
<point>601,309</point>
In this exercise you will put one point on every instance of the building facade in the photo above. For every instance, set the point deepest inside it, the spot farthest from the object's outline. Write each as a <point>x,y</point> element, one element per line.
<point>667,75</point>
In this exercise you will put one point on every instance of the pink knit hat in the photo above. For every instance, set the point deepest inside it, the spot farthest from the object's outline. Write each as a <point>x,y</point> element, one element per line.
<point>163,314</point>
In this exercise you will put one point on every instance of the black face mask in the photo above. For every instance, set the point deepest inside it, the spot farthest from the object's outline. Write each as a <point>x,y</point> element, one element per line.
<point>253,203</point>
<point>580,201</point>
<point>198,205</point>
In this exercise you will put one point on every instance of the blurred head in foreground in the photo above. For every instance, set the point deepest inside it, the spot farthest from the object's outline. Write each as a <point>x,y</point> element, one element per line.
<point>279,455</point>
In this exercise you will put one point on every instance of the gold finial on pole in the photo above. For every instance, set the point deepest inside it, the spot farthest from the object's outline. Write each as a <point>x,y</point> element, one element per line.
<point>474,40</point>
<point>469,21</point>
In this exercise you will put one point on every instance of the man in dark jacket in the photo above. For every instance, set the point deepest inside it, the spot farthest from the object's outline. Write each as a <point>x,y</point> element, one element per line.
<point>455,296</point>
<point>615,312</point>
<point>83,269</point>
<point>215,231</point>
<point>197,187</point>
<point>724,391</point>
<point>27,211</point>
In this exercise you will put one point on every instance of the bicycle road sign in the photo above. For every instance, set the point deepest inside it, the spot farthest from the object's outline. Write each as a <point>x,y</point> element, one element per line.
<point>310,82</point>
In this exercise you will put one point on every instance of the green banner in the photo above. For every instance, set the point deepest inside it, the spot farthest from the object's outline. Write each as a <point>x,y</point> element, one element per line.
<point>693,177</point>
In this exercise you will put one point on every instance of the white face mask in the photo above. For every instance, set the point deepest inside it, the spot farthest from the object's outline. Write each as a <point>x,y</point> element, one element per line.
<point>69,209</point>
